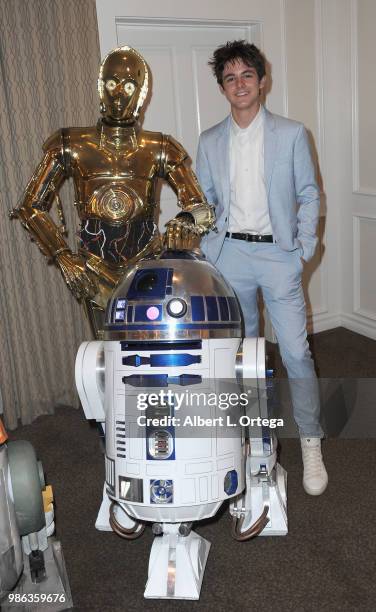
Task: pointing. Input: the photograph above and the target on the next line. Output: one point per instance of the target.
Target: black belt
(250, 237)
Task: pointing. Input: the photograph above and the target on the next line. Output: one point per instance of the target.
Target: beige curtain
(49, 63)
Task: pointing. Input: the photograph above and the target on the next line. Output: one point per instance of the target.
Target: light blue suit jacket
(292, 192)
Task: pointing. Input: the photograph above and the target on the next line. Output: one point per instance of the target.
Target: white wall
(331, 48)
(349, 157)
(322, 55)
(305, 102)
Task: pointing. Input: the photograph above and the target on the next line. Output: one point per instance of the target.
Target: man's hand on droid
(181, 233)
(80, 282)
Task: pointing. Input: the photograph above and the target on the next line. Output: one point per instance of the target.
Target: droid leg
(177, 564)
(262, 508)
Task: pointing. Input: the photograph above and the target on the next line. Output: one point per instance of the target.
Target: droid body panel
(172, 334)
(115, 167)
(155, 466)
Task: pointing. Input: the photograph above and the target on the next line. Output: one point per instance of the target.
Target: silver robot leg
(262, 507)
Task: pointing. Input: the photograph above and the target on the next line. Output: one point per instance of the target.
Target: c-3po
(115, 167)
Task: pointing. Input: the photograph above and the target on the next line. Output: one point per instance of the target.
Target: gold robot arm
(33, 212)
(197, 216)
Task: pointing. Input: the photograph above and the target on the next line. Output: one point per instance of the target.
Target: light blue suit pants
(248, 266)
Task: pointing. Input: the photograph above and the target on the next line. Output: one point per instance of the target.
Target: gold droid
(115, 167)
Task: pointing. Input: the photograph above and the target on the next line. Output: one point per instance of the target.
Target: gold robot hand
(80, 282)
(181, 233)
(197, 216)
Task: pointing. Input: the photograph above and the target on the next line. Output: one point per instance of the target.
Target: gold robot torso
(115, 172)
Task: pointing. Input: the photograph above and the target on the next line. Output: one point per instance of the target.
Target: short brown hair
(235, 50)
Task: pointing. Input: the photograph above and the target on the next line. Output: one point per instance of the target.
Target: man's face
(241, 85)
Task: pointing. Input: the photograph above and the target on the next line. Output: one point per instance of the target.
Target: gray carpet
(326, 562)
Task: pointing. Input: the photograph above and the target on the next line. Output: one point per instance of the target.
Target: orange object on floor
(3, 433)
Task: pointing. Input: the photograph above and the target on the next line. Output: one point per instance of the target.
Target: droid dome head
(179, 295)
(122, 85)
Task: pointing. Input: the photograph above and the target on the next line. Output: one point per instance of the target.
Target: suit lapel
(223, 153)
(270, 147)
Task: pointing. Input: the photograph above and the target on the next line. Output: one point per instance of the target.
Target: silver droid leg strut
(262, 507)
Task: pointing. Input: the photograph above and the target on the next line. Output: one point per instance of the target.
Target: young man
(256, 168)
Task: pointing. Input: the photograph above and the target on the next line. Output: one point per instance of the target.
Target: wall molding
(195, 84)
(252, 25)
(284, 57)
(356, 187)
(177, 102)
(320, 52)
(354, 94)
(356, 266)
(320, 48)
(356, 263)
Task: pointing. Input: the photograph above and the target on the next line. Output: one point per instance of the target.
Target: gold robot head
(122, 85)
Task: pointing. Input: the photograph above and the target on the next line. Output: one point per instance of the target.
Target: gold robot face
(123, 84)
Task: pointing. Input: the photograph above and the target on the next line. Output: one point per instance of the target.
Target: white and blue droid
(181, 397)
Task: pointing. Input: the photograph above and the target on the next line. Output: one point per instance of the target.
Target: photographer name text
(199, 421)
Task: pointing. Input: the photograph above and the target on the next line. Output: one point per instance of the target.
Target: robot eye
(110, 85)
(147, 283)
(129, 88)
(176, 307)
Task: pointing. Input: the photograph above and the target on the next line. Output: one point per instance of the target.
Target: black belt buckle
(259, 238)
(250, 237)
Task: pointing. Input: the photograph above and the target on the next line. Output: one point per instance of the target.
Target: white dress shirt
(249, 211)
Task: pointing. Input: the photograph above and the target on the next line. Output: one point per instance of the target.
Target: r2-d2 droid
(173, 337)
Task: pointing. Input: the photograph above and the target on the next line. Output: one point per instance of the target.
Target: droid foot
(176, 565)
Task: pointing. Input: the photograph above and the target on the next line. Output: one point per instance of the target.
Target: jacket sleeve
(307, 195)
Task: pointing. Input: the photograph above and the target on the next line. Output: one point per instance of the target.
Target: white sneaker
(315, 477)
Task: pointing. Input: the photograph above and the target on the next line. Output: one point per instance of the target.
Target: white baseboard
(354, 322)
(323, 321)
(360, 325)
